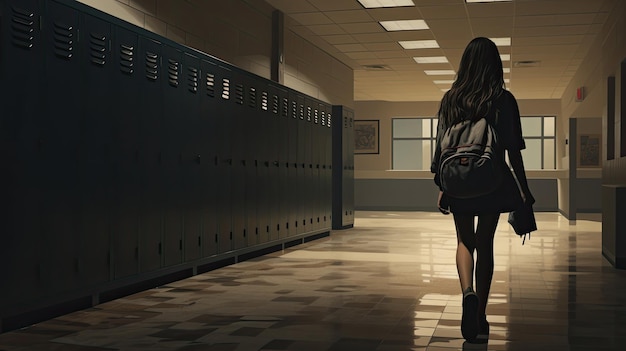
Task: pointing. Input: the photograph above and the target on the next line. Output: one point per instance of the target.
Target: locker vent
(63, 40)
(264, 101)
(239, 94)
(210, 84)
(225, 89)
(301, 111)
(98, 47)
(323, 118)
(294, 109)
(275, 104)
(308, 113)
(285, 109)
(252, 101)
(152, 66)
(329, 120)
(23, 28)
(316, 117)
(193, 79)
(172, 70)
(126, 58)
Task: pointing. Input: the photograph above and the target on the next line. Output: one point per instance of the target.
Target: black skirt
(506, 198)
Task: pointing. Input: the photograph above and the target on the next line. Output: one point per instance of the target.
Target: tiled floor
(389, 284)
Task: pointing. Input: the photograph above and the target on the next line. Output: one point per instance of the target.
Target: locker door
(292, 159)
(224, 159)
(60, 151)
(191, 139)
(317, 150)
(299, 185)
(96, 163)
(208, 186)
(308, 185)
(21, 69)
(328, 173)
(150, 153)
(349, 181)
(280, 109)
(172, 158)
(271, 138)
(254, 149)
(264, 182)
(246, 97)
(127, 180)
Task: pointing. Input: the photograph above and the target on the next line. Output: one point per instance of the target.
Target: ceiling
(549, 40)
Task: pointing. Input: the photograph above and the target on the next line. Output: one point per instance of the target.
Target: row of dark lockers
(126, 153)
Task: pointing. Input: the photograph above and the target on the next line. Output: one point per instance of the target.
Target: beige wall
(603, 61)
(239, 32)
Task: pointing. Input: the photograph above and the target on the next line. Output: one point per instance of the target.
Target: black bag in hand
(523, 220)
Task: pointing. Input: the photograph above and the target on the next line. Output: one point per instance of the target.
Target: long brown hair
(479, 82)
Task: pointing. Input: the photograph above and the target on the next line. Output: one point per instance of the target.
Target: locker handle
(318, 166)
(198, 159)
(267, 163)
(243, 162)
(228, 160)
(276, 163)
(310, 165)
(303, 165)
(286, 164)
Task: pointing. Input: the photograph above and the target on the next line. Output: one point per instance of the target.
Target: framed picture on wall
(589, 149)
(366, 137)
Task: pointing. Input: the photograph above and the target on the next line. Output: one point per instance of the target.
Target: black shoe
(469, 321)
(483, 330)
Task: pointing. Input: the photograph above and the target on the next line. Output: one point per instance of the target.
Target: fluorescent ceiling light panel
(371, 4)
(443, 81)
(501, 41)
(472, 1)
(505, 57)
(392, 26)
(506, 70)
(507, 80)
(419, 44)
(431, 59)
(439, 72)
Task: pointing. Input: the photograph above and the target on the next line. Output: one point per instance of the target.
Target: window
(413, 142)
(540, 137)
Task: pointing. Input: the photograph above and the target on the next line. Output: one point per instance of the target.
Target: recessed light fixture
(371, 4)
(472, 1)
(447, 81)
(419, 44)
(505, 57)
(440, 72)
(431, 59)
(392, 26)
(501, 41)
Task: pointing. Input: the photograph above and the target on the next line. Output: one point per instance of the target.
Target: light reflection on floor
(388, 284)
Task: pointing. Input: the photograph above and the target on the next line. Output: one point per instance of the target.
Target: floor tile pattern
(388, 284)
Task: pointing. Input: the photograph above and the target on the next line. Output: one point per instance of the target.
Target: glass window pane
(426, 127)
(548, 154)
(531, 126)
(407, 128)
(435, 125)
(532, 154)
(548, 126)
(426, 154)
(406, 155)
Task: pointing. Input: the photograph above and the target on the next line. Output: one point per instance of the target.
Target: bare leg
(466, 243)
(484, 258)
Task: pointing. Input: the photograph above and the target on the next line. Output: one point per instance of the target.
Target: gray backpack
(469, 165)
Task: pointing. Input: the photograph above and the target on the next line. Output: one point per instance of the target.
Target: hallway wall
(240, 32)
